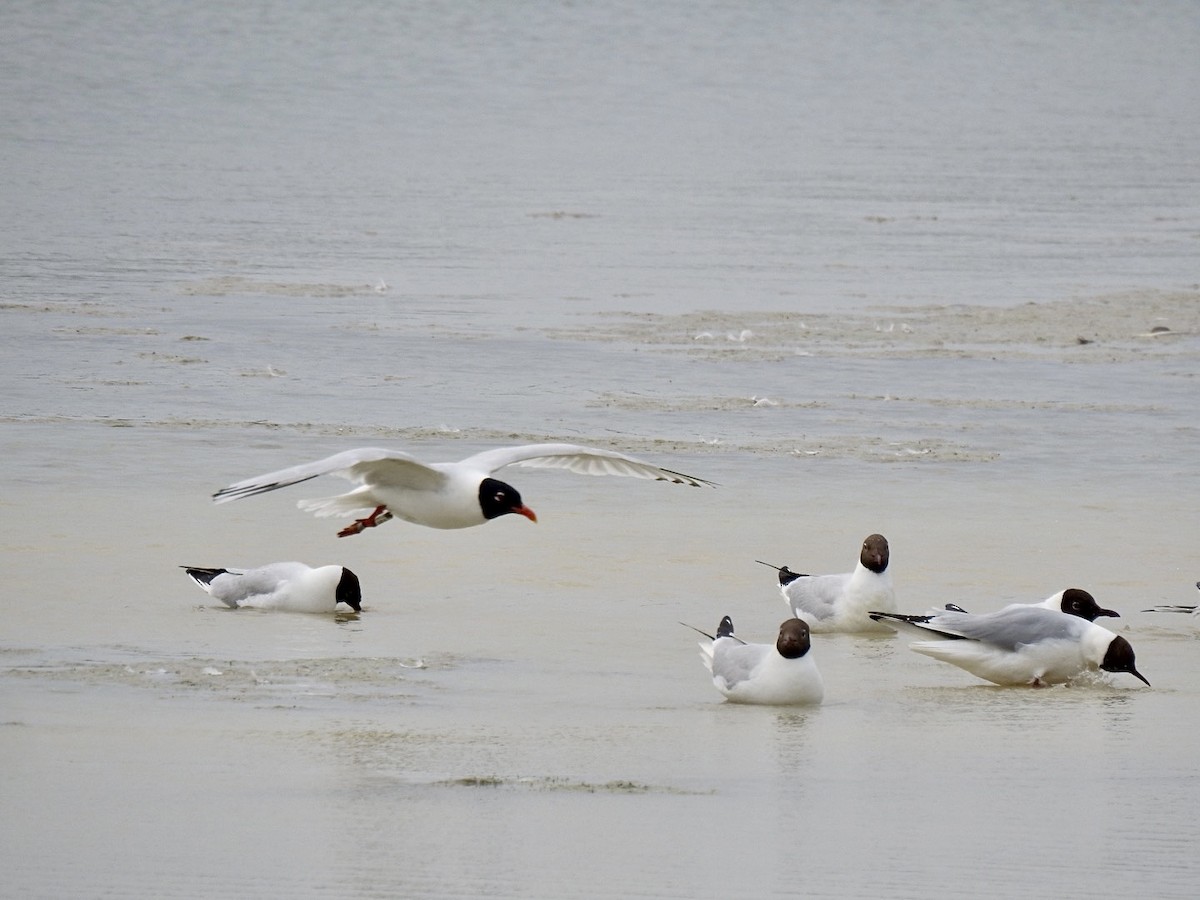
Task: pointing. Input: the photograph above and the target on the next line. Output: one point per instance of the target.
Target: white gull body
(779, 674)
(832, 603)
(287, 586)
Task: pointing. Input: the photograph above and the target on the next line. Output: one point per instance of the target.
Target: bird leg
(378, 517)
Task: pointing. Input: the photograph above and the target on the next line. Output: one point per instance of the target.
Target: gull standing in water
(1017, 644)
(841, 602)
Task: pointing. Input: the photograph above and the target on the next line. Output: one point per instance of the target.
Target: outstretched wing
(366, 465)
(579, 459)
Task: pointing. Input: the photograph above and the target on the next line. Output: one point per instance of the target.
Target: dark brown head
(875, 553)
(1119, 658)
(794, 640)
(1078, 602)
(348, 591)
(499, 499)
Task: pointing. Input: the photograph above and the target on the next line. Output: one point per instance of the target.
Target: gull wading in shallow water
(841, 602)
(1072, 601)
(289, 586)
(1018, 644)
(392, 483)
(782, 674)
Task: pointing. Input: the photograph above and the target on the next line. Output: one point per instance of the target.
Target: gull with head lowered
(1018, 644)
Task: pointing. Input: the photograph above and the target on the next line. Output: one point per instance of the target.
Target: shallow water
(868, 269)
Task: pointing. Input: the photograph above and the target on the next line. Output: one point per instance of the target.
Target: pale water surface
(928, 270)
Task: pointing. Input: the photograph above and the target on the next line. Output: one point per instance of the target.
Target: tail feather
(341, 505)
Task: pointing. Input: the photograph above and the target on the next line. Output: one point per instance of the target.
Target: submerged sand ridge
(1110, 328)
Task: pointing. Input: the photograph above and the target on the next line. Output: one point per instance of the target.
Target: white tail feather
(342, 505)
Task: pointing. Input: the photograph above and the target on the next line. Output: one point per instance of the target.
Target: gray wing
(815, 594)
(366, 465)
(579, 459)
(736, 662)
(235, 587)
(1012, 626)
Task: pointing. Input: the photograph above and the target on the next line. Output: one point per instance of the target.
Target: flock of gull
(1043, 643)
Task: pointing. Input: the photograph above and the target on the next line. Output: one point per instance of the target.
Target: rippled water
(925, 271)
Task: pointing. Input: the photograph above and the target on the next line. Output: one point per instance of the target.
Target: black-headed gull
(780, 674)
(1177, 607)
(1018, 644)
(290, 586)
(1072, 601)
(841, 602)
(441, 495)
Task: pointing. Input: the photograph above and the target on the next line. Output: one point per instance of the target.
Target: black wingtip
(233, 492)
(787, 576)
(923, 621)
(229, 493)
(201, 574)
(689, 480)
(725, 629)
(698, 630)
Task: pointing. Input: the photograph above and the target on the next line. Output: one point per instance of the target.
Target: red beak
(526, 512)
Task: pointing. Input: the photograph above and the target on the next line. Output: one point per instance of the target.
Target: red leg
(379, 516)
